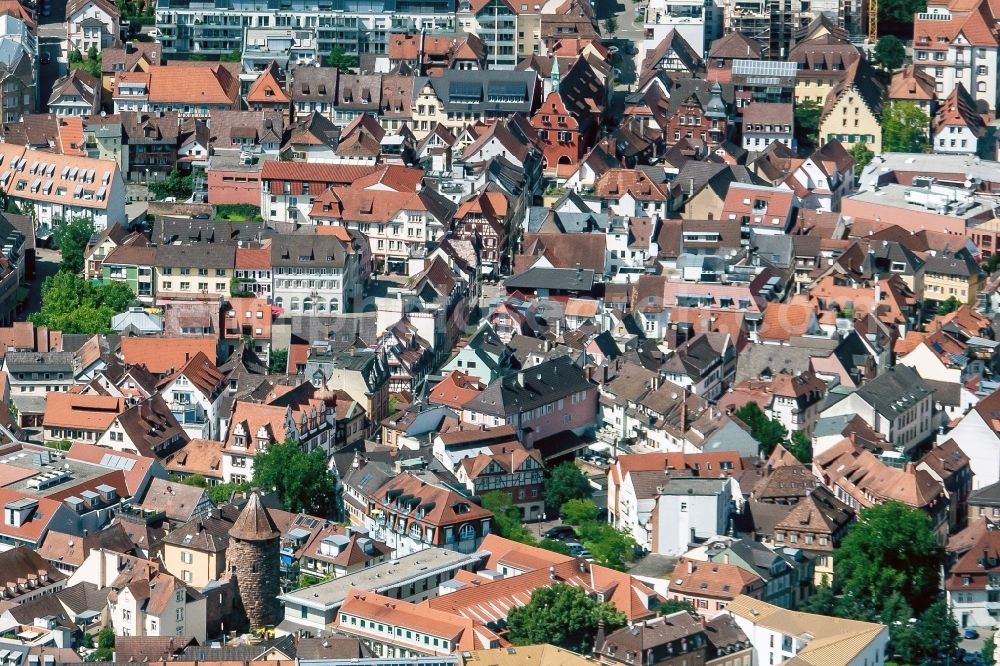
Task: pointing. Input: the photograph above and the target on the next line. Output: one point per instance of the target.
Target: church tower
(252, 557)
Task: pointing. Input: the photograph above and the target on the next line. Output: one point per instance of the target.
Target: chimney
(600, 637)
(690, 567)
(552, 572)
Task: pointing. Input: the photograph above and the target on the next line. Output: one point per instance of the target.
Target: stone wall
(255, 565)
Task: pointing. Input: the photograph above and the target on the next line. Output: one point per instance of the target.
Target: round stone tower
(252, 557)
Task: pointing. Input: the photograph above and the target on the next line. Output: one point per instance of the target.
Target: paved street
(51, 42)
(46, 264)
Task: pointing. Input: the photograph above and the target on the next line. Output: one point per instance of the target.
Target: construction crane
(872, 21)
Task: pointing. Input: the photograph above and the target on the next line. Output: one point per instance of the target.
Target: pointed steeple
(716, 106)
(555, 74)
(254, 522)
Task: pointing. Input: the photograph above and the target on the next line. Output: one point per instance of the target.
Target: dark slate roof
(530, 388)
(197, 255)
(207, 534)
(461, 90)
(959, 264)
(894, 391)
(303, 251)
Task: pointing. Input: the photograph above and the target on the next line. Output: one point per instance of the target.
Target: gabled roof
(673, 44)
(959, 110)
(735, 45)
(831, 641)
(912, 83)
(268, 88)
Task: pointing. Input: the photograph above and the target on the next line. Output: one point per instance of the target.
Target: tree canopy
(767, 431)
(896, 16)
(891, 550)
(801, 447)
(277, 361)
(507, 516)
(935, 633)
(562, 615)
(340, 59)
(807, 115)
(300, 479)
(73, 305)
(608, 545)
(565, 483)
(948, 306)
(889, 52)
(174, 185)
(904, 128)
(71, 239)
(862, 155)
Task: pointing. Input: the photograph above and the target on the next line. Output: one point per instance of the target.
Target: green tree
(300, 479)
(822, 601)
(948, 306)
(73, 305)
(508, 518)
(565, 483)
(807, 115)
(991, 263)
(989, 651)
(277, 361)
(670, 606)
(889, 53)
(904, 128)
(105, 645)
(340, 59)
(936, 630)
(610, 26)
(554, 546)
(890, 549)
(608, 545)
(233, 56)
(563, 615)
(579, 511)
(174, 185)
(862, 157)
(71, 239)
(223, 492)
(896, 15)
(768, 432)
(74, 57)
(801, 447)
(195, 480)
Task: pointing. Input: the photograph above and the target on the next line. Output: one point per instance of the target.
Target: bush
(238, 212)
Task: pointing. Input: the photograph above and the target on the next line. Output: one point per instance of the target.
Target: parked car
(970, 633)
(560, 533)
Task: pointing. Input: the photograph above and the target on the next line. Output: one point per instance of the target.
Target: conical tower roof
(254, 522)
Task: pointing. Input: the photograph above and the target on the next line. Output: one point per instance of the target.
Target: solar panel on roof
(764, 68)
(508, 88)
(465, 90)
